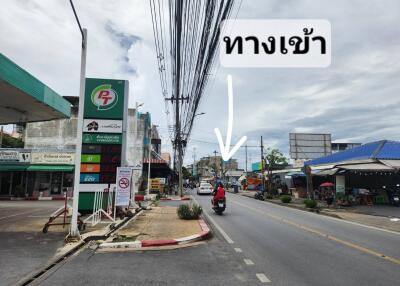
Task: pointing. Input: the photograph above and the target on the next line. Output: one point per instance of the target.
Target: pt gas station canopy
(23, 98)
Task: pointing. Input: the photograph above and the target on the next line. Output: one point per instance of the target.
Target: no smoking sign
(123, 183)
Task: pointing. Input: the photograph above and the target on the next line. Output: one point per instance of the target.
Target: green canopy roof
(10, 167)
(23, 98)
(39, 168)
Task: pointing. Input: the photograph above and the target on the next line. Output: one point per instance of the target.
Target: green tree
(11, 142)
(186, 173)
(274, 160)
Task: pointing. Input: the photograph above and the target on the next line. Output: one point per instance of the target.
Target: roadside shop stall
(366, 175)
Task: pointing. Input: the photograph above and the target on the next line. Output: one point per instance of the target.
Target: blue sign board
(90, 178)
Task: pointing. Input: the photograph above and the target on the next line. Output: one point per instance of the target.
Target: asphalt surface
(253, 242)
(24, 249)
(295, 247)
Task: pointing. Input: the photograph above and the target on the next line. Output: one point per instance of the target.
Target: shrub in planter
(286, 199)
(310, 203)
(196, 210)
(186, 212)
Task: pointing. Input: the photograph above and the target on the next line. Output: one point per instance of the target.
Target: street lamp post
(148, 170)
(74, 232)
(136, 158)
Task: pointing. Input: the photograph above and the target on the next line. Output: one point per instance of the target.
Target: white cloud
(354, 99)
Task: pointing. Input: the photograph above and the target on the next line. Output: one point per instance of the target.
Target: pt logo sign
(104, 97)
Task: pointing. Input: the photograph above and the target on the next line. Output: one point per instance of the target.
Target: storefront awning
(328, 172)
(366, 167)
(5, 168)
(49, 168)
(391, 163)
(23, 98)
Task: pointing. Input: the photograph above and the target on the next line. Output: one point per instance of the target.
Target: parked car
(205, 188)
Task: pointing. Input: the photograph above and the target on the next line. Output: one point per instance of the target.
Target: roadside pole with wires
(262, 164)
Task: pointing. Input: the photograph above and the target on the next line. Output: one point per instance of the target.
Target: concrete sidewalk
(159, 226)
(24, 248)
(385, 217)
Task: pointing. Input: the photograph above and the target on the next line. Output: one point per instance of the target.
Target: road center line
(326, 217)
(238, 250)
(248, 261)
(223, 233)
(322, 234)
(263, 278)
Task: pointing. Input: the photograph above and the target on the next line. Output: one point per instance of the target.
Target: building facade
(45, 166)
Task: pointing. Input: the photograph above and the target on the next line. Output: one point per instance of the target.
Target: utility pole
(1, 137)
(178, 140)
(194, 160)
(262, 163)
(215, 163)
(246, 158)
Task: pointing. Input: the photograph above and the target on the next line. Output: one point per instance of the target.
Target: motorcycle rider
(219, 193)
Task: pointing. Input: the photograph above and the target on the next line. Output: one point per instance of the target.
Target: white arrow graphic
(225, 153)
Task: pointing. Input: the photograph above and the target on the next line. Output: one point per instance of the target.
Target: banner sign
(102, 138)
(52, 158)
(102, 126)
(340, 184)
(9, 156)
(123, 186)
(105, 104)
(155, 184)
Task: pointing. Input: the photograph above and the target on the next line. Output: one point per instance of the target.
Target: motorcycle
(393, 195)
(396, 200)
(259, 195)
(219, 206)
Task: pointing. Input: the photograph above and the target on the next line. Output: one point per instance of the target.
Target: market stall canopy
(379, 155)
(23, 98)
(328, 172)
(327, 184)
(366, 167)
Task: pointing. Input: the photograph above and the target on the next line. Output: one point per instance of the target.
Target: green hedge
(310, 203)
(286, 199)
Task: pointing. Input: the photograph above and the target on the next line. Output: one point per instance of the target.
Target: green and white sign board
(104, 98)
(106, 108)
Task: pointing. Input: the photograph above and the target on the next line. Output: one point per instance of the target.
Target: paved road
(254, 242)
(293, 247)
(23, 246)
(211, 263)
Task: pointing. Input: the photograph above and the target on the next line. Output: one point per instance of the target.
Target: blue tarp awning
(379, 150)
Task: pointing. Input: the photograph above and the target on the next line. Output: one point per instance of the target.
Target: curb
(205, 232)
(32, 199)
(180, 199)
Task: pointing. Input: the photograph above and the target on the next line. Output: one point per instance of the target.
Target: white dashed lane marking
(263, 278)
(238, 250)
(248, 261)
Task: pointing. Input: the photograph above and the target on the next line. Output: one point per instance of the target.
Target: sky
(355, 98)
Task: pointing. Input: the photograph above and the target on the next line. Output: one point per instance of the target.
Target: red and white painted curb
(175, 199)
(33, 199)
(205, 231)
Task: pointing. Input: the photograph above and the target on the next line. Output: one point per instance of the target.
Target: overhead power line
(186, 42)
